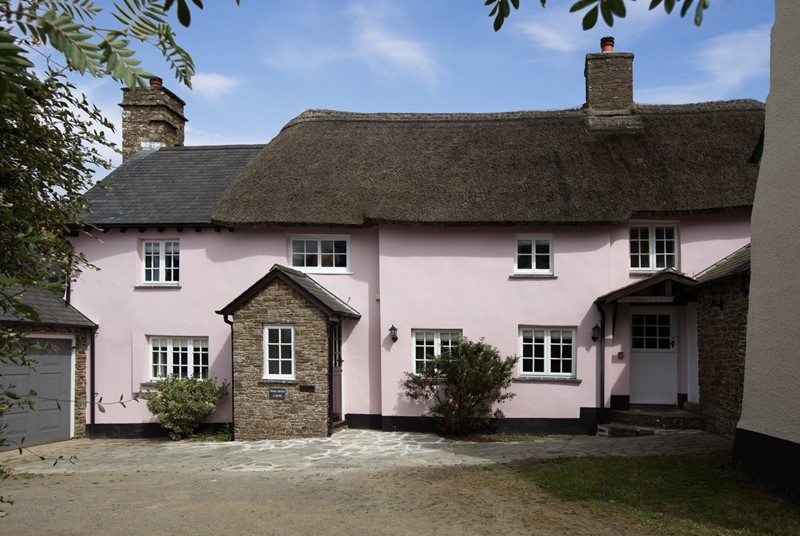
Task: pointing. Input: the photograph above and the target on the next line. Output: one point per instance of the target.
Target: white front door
(654, 358)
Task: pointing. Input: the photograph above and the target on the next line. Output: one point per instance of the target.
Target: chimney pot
(607, 44)
(156, 82)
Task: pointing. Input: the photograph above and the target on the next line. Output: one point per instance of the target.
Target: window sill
(322, 272)
(533, 276)
(546, 379)
(264, 381)
(164, 286)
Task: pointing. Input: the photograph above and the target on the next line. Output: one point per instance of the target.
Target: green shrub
(182, 403)
(463, 385)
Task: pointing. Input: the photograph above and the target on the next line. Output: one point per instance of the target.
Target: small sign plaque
(277, 393)
(307, 388)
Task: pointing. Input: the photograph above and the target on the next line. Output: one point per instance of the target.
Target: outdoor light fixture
(595, 333)
(393, 333)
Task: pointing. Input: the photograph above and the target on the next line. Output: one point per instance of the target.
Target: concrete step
(616, 429)
(659, 418)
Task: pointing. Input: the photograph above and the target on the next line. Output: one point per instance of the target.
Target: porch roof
(657, 288)
(307, 287)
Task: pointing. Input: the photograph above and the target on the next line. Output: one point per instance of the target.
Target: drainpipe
(602, 357)
(233, 405)
(92, 334)
(330, 378)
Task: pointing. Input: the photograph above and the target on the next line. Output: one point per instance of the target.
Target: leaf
(184, 15)
(618, 7)
(686, 5)
(654, 4)
(101, 408)
(581, 4)
(590, 19)
(605, 11)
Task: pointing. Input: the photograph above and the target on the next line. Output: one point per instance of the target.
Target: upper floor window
(547, 352)
(428, 343)
(534, 255)
(161, 262)
(653, 247)
(320, 254)
(279, 352)
(183, 357)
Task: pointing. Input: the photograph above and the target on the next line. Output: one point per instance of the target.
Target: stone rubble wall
(301, 414)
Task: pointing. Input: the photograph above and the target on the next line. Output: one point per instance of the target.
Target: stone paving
(345, 450)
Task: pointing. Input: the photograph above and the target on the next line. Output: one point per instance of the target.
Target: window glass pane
(524, 262)
(298, 259)
(286, 367)
(272, 367)
(340, 260)
(298, 246)
(311, 261)
(326, 246)
(524, 247)
(311, 246)
(286, 335)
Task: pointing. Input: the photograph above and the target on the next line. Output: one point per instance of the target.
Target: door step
(649, 420)
(615, 429)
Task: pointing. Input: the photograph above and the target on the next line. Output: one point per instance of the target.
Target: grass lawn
(684, 494)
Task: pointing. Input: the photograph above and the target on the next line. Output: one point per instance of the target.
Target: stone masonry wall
(722, 338)
(609, 81)
(151, 115)
(301, 414)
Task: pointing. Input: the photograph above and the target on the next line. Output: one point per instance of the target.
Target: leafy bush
(462, 386)
(182, 403)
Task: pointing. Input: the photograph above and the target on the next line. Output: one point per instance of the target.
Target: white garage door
(52, 381)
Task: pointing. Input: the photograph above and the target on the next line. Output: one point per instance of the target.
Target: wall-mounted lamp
(595, 333)
(393, 333)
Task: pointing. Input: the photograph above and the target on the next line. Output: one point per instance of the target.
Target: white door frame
(654, 371)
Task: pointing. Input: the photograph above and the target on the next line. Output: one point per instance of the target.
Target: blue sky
(263, 63)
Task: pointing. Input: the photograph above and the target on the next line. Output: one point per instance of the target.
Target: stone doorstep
(672, 419)
(616, 429)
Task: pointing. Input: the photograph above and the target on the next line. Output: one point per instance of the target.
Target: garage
(58, 344)
(51, 379)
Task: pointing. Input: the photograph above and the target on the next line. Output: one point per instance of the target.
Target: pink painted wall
(215, 269)
(414, 278)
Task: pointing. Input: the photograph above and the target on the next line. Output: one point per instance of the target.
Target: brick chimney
(152, 118)
(609, 81)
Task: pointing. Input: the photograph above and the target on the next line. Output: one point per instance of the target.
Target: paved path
(346, 449)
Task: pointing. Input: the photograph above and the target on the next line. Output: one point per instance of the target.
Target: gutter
(227, 320)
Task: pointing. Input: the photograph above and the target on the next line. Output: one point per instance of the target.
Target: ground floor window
(547, 351)
(429, 343)
(279, 352)
(179, 356)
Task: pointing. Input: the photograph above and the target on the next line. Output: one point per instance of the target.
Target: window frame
(652, 254)
(196, 349)
(547, 352)
(318, 269)
(533, 270)
(266, 357)
(162, 269)
(419, 364)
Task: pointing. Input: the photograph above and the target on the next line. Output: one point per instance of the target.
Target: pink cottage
(567, 237)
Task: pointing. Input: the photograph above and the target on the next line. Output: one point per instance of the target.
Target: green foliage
(182, 403)
(462, 386)
(607, 9)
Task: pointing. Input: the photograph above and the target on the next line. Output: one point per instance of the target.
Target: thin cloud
(370, 37)
(214, 85)
(195, 137)
(555, 28)
(726, 63)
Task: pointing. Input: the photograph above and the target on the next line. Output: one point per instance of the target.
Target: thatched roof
(559, 167)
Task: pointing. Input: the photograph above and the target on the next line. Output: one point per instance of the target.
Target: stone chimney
(609, 81)
(151, 118)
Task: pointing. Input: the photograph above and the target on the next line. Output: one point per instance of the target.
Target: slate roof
(736, 262)
(170, 186)
(52, 309)
(302, 283)
(563, 167)
(667, 274)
